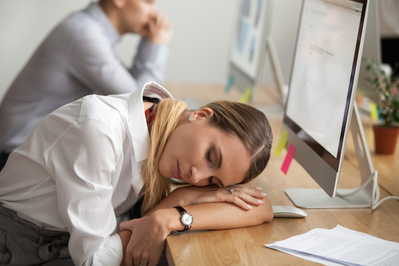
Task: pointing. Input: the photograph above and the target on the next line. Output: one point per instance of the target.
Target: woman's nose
(197, 175)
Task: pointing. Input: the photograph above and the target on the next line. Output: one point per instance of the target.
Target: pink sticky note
(288, 159)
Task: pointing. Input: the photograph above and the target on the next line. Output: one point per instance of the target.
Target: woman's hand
(147, 240)
(243, 195)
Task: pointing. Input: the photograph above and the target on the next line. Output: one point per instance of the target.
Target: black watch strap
(182, 211)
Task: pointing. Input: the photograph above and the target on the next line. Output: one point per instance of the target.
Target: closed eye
(208, 156)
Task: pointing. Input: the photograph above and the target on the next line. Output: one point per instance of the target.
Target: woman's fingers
(247, 198)
(136, 262)
(128, 259)
(243, 196)
(240, 203)
(225, 196)
(147, 240)
(141, 261)
(253, 191)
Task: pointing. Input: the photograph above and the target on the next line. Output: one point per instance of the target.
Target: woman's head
(224, 143)
(251, 126)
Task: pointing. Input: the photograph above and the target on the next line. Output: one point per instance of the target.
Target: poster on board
(248, 43)
(248, 36)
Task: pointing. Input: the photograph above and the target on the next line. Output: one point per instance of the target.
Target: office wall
(284, 28)
(199, 50)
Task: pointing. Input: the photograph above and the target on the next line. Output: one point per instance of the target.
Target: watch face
(187, 219)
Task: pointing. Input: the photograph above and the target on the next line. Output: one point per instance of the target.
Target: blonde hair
(156, 186)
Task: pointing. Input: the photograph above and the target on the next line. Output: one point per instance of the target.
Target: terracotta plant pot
(385, 139)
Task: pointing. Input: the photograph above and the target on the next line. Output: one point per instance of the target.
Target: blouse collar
(138, 128)
(138, 132)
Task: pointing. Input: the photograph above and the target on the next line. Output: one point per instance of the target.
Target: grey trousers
(23, 243)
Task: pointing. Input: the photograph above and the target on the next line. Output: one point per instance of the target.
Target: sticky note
(246, 96)
(288, 159)
(230, 83)
(373, 110)
(281, 143)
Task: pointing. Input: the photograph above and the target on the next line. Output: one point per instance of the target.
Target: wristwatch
(185, 218)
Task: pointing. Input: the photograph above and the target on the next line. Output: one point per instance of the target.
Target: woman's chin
(167, 175)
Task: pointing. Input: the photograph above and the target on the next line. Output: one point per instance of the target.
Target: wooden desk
(245, 246)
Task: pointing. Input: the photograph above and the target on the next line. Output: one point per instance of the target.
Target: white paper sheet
(340, 245)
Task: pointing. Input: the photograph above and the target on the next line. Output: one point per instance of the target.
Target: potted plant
(387, 88)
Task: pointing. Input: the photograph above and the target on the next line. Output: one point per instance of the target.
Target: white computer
(320, 107)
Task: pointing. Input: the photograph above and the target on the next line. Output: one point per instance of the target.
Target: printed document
(340, 246)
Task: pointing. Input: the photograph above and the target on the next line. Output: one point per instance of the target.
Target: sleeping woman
(66, 192)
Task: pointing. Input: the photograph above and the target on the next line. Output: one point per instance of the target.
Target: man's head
(130, 15)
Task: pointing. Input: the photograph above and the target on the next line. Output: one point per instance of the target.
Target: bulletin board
(248, 44)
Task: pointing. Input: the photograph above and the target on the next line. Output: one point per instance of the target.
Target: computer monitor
(320, 107)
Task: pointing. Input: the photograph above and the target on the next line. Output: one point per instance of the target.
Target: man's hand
(159, 30)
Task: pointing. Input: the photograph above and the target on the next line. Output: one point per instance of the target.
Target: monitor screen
(323, 74)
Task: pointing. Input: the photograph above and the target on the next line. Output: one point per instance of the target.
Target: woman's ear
(204, 113)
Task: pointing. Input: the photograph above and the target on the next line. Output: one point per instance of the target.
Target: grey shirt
(76, 59)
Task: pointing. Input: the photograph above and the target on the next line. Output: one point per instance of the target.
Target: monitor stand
(362, 197)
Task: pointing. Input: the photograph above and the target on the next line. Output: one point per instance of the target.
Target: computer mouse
(281, 211)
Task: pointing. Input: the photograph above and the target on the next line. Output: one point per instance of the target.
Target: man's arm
(92, 60)
(152, 54)
(150, 62)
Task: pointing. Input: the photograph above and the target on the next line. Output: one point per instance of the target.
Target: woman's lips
(177, 171)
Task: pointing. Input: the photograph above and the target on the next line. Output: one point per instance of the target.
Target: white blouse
(80, 168)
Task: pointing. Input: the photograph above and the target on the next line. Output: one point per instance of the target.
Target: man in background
(77, 58)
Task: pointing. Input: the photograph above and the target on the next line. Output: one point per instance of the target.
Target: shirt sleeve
(150, 62)
(83, 160)
(92, 60)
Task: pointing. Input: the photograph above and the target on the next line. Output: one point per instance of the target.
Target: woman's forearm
(213, 216)
(208, 216)
(244, 196)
